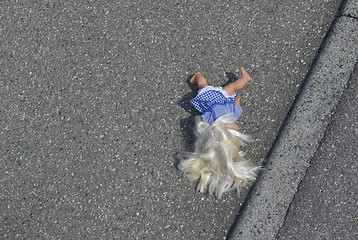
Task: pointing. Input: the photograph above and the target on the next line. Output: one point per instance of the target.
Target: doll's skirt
(209, 96)
(213, 102)
(220, 109)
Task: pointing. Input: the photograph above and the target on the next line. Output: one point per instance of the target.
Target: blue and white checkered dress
(208, 100)
(209, 96)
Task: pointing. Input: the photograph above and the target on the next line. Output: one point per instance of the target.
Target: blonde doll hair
(217, 163)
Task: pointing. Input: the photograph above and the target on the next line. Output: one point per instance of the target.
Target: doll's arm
(233, 126)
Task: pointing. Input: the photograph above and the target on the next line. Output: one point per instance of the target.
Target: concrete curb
(264, 211)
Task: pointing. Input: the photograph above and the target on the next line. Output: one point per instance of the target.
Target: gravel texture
(350, 9)
(95, 107)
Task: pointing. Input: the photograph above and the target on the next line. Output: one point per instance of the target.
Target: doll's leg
(199, 79)
(238, 83)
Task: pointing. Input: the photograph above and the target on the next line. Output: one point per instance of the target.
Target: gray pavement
(95, 107)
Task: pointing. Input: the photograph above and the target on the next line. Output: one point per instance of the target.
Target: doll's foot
(245, 76)
(198, 79)
(238, 83)
(241, 82)
(194, 78)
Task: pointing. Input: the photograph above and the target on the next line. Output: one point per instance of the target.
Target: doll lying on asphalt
(216, 161)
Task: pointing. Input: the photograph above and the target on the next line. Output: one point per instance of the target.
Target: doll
(216, 163)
